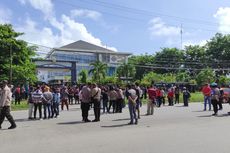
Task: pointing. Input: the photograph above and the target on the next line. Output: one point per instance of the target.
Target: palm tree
(98, 71)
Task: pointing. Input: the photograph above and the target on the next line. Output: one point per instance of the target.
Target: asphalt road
(174, 129)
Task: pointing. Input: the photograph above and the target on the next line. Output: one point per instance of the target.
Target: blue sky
(131, 26)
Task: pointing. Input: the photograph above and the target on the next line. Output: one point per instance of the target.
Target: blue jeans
(132, 111)
(207, 99)
(47, 106)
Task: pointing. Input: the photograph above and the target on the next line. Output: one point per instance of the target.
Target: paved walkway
(174, 129)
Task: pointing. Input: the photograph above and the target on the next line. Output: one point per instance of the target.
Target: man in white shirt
(96, 97)
(132, 97)
(5, 101)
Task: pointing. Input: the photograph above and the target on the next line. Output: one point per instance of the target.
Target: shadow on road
(69, 123)
(23, 120)
(198, 111)
(114, 126)
(122, 119)
(205, 116)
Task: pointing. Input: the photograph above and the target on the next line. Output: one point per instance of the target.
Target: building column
(73, 72)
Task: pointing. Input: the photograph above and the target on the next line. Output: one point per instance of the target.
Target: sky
(135, 26)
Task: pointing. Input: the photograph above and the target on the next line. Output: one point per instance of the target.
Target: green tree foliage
(83, 76)
(126, 70)
(23, 69)
(205, 76)
(98, 71)
(183, 77)
(140, 62)
(218, 50)
(170, 59)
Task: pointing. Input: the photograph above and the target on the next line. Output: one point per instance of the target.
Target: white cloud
(223, 17)
(67, 30)
(85, 13)
(159, 28)
(42, 36)
(45, 6)
(5, 15)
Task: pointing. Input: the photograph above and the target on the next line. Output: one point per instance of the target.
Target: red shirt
(152, 93)
(206, 90)
(170, 94)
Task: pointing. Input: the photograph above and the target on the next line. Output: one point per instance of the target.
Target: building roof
(83, 46)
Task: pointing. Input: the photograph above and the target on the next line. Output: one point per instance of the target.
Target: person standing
(37, 99)
(186, 96)
(5, 101)
(64, 98)
(47, 100)
(170, 96)
(177, 95)
(215, 95)
(56, 102)
(206, 90)
(120, 98)
(85, 96)
(105, 99)
(151, 101)
(17, 94)
(138, 101)
(31, 104)
(112, 98)
(132, 97)
(96, 99)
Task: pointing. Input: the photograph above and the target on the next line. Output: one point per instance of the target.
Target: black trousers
(97, 109)
(215, 104)
(119, 105)
(39, 107)
(177, 97)
(5, 112)
(85, 110)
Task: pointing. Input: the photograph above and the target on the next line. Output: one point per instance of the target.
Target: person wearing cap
(5, 101)
(206, 90)
(215, 98)
(96, 99)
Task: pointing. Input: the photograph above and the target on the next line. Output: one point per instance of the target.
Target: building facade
(59, 62)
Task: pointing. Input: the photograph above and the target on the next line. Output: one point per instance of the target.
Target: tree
(139, 62)
(218, 50)
(83, 76)
(170, 59)
(98, 71)
(205, 76)
(126, 70)
(15, 57)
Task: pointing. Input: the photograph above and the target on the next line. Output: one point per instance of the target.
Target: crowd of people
(46, 99)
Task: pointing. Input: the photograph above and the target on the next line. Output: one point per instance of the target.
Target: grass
(23, 106)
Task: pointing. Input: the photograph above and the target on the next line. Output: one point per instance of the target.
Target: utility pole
(181, 36)
(11, 63)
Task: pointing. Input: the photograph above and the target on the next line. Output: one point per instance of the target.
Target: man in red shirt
(152, 98)
(206, 90)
